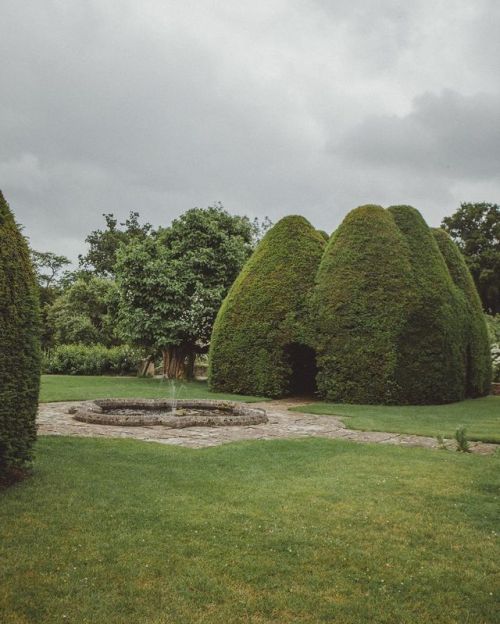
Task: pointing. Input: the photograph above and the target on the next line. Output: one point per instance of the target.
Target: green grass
(280, 531)
(81, 388)
(481, 417)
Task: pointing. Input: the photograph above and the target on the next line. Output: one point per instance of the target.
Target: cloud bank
(272, 107)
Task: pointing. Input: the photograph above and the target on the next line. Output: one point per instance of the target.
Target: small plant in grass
(440, 441)
(462, 441)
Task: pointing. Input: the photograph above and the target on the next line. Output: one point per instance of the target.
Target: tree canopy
(171, 286)
(475, 228)
(86, 312)
(100, 259)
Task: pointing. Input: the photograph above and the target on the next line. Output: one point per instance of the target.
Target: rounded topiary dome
(476, 340)
(430, 363)
(360, 303)
(265, 312)
(19, 345)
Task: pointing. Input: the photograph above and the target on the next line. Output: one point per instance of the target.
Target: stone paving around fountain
(54, 419)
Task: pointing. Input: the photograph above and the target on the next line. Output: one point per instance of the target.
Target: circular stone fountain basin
(168, 413)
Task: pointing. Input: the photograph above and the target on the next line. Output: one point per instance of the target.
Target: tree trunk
(191, 356)
(174, 363)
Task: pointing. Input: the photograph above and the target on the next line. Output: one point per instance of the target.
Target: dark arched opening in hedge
(302, 362)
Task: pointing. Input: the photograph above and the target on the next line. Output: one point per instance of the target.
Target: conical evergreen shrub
(266, 310)
(19, 346)
(476, 341)
(360, 303)
(430, 366)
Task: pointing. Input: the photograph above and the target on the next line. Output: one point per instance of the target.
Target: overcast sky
(272, 107)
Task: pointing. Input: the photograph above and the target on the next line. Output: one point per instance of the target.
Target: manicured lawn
(80, 388)
(283, 531)
(481, 417)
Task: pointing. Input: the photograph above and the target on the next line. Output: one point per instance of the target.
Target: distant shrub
(91, 360)
(19, 347)
(495, 362)
(493, 323)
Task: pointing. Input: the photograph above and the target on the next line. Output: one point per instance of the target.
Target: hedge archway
(266, 309)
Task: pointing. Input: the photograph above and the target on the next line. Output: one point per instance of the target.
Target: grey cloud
(272, 107)
(449, 134)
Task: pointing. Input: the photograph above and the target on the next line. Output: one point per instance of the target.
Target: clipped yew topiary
(360, 303)
(19, 347)
(476, 352)
(264, 316)
(431, 367)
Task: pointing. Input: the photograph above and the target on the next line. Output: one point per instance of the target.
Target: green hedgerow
(97, 359)
(19, 346)
(266, 310)
(431, 367)
(476, 344)
(359, 303)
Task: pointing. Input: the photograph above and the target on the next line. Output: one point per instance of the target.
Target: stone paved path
(53, 419)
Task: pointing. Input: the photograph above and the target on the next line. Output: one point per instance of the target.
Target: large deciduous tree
(104, 244)
(85, 313)
(475, 228)
(172, 285)
(50, 277)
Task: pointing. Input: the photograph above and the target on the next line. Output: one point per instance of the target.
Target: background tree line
(155, 289)
(155, 292)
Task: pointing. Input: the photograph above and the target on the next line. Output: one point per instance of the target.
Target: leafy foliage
(431, 366)
(463, 445)
(86, 312)
(171, 286)
(19, 345)
(360, 303)
(475, 339)
(48, 267)
(104, 244)
(78, 359)
(50, 277)
(475, 227)
(266, 310)
(493, 323)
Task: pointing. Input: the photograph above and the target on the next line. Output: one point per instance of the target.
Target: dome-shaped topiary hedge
(265, 312)
(19, 346)
(360, 302)
(476, 344)
(430, 365)
(388, 313)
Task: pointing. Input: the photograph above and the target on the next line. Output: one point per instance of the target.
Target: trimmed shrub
(431, 367)
(360, 303)
(265, 311)
(476, 342)
(78, 359)
(19, 346)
